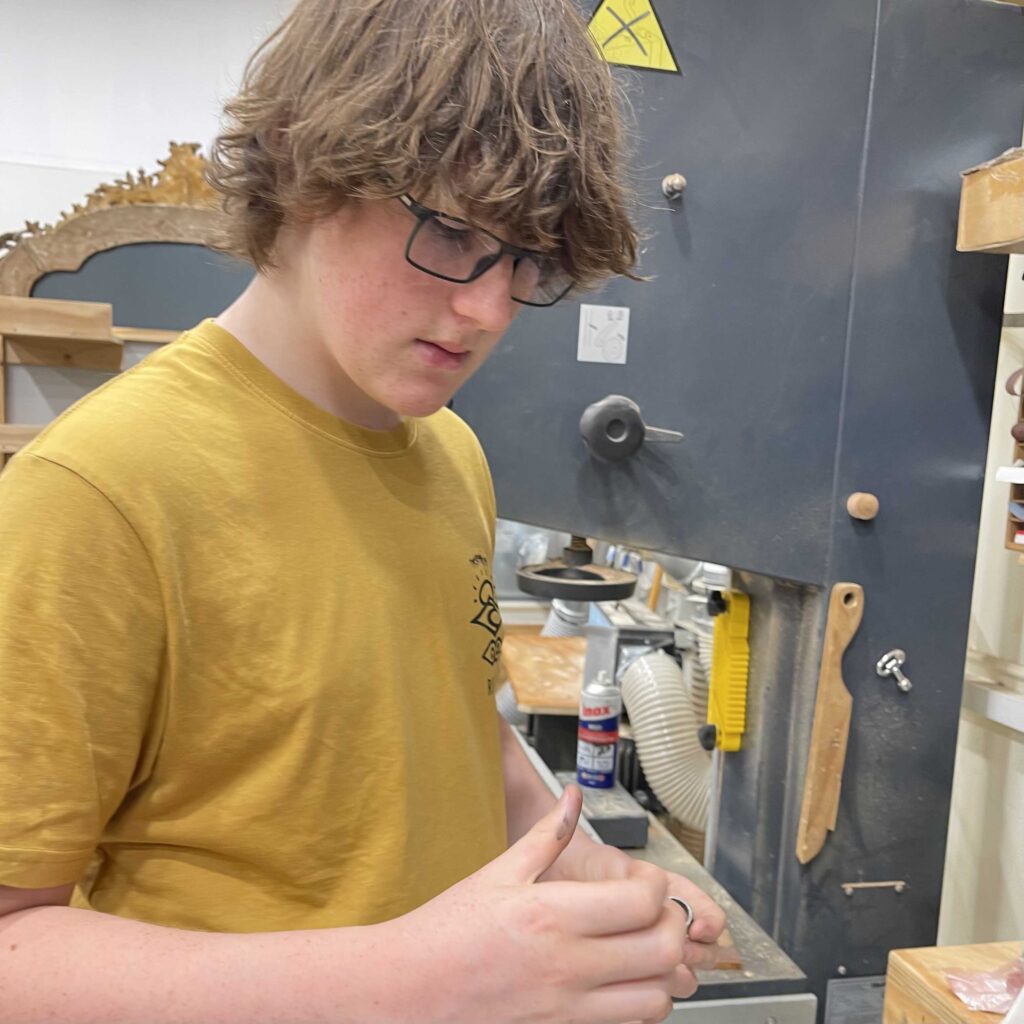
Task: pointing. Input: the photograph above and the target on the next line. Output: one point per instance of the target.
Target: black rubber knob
(613, 428)
(707, 735)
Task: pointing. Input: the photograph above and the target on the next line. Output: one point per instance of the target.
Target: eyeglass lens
(456, 251)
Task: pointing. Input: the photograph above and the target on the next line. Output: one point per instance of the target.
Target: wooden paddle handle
(833, 710)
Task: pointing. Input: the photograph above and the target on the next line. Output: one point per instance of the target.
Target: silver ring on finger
(686, 908)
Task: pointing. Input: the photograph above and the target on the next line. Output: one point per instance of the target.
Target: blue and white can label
(597, 736)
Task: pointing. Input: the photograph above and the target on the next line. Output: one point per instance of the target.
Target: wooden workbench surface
(546, 672)
(916, 989)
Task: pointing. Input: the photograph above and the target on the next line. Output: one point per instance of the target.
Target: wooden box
(992, 205)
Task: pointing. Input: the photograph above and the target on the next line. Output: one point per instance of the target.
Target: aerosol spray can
(597, 738)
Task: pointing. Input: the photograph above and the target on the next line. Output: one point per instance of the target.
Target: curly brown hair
(502, 108)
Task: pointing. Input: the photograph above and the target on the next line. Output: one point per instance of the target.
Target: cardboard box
(992, 205)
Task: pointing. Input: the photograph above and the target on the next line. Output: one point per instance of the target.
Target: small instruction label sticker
(604, 334)
(628, 32)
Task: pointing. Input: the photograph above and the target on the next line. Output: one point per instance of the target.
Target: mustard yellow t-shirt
(247, 653)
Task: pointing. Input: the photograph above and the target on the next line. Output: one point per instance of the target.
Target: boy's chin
(419, 406)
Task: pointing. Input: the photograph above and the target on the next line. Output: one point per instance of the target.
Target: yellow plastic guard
(730, 671)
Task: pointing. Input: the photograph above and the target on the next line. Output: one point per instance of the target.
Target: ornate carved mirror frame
(175, 204)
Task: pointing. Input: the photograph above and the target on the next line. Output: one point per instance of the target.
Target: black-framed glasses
(454, 250)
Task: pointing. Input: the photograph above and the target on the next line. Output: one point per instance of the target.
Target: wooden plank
(56, 319)
(833, 710)
(546, 672)
(14, 436)
(916, 989)
(57, 332)
(148, 335)
(77, 352)
(991, 215)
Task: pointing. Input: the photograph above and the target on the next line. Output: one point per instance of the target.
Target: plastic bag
(991, 991)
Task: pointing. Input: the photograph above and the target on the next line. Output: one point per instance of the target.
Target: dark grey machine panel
(812, 331)
(741, 341)
(153, 284)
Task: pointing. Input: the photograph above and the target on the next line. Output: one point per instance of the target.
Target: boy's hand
(498, 947)
(589, 861)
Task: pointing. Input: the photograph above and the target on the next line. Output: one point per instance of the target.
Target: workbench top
(766, 970)
(916, 989)
(546, 672)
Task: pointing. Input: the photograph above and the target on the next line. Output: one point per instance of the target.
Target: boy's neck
(264, 319)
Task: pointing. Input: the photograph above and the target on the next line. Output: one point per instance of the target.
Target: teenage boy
(248, 638)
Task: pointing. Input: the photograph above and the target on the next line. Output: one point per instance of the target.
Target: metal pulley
(613, 429)
(575, 577)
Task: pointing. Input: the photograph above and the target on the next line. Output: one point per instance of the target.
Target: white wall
(90, 89)
(983, 890)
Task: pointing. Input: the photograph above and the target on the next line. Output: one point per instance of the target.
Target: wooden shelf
(147, 335)
(992, 205)
(916, 990)
(56, 332)
(14, 437)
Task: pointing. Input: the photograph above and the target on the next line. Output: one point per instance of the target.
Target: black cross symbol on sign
(626, 27)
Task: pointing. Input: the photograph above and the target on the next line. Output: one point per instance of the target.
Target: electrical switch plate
(604, 334)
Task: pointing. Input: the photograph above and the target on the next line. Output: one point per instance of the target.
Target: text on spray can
(598, 734)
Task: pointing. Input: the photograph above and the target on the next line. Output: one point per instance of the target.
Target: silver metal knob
(889, 665)
(673, 185)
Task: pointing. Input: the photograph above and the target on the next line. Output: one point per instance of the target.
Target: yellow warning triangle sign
(628, 32)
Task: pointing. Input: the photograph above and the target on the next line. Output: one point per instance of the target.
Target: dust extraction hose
(664, 729)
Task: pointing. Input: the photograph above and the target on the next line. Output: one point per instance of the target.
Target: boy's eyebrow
(463, 219)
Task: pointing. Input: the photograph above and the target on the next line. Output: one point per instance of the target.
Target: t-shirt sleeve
(81, 646)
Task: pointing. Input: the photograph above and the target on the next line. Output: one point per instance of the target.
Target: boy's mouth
(441, 355)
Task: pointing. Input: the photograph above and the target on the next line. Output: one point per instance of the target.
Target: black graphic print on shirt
(487, 614)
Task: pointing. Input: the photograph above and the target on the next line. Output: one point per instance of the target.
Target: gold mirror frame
(176, 204)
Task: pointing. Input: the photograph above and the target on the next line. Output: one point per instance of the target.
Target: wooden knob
(862, 505)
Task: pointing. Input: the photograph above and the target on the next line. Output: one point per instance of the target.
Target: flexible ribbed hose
(664, 726)
(566, 618)
(697, 669)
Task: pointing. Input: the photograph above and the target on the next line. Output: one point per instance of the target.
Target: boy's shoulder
(144, 419)
(183, 405)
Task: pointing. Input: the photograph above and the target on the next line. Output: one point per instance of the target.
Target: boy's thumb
(528, 859)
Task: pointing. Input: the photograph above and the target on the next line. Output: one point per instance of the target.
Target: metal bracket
(898, 886)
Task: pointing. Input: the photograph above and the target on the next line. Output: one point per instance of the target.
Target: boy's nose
(487, 301)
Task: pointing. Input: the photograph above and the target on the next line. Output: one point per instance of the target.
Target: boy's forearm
(77, 966)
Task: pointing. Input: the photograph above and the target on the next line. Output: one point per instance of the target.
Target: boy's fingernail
(563, 825)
